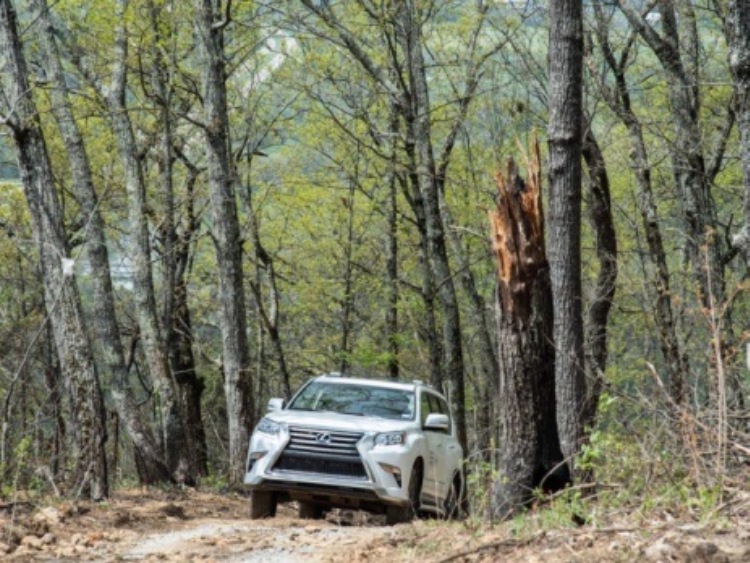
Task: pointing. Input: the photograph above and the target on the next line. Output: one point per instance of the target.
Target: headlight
(268, 426)
(390, 438)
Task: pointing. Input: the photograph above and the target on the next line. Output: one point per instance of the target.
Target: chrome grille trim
(319, 451)
(341, 443)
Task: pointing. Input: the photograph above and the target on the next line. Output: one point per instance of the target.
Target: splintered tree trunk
(530, 455)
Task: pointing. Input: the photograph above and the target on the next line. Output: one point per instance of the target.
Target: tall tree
(172, 431)
(104, 317)
(61, 294)
(565, 99)
(420, 110)
(225, 227)
(176, 237)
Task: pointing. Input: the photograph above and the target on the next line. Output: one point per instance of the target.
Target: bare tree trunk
(172, 427)
(565, 94)
(436, 245)
(529, 448)
(227, 238)
(737, 32)
(60, 289)
(104, 319)
(391, 182)
(347, 303)
(600, 215)
(190, 385)
(175, 257)
(53, 384)
(428, 326)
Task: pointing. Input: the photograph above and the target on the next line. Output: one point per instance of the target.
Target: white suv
(383, 446)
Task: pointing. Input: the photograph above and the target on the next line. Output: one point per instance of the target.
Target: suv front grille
(329, 452)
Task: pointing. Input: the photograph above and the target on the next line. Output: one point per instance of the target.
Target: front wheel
(451, 503)
(401, 514)
(262, 504)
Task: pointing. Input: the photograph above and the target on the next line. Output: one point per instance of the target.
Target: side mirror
(438, 422)
(276, 404)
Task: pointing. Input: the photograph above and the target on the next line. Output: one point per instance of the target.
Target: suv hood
(336, 421)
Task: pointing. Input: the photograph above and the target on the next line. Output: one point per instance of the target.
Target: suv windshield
(360, 400)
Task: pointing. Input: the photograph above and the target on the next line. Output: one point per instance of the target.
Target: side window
(445, 409)
(436, 405)
(425, 407)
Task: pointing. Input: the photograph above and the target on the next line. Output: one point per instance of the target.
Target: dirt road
(196, 526)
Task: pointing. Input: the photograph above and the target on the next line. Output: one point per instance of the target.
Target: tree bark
(190, 385)
(529, 446)
(226, 233)
(61, 295)
(565, 95)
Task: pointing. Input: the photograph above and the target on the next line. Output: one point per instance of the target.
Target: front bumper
(383, 478)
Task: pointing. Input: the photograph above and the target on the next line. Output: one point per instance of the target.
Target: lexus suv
(388, 447)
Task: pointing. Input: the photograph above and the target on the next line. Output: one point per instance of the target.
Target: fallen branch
(492, 546)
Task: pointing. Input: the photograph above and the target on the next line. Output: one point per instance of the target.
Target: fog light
(254, 456)
(393, 470)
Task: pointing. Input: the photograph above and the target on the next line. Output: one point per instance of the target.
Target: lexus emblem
(323, 438)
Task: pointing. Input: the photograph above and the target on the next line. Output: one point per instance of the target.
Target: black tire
(401, 514)
(310, 511)
(451, 504)
(262, 504)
